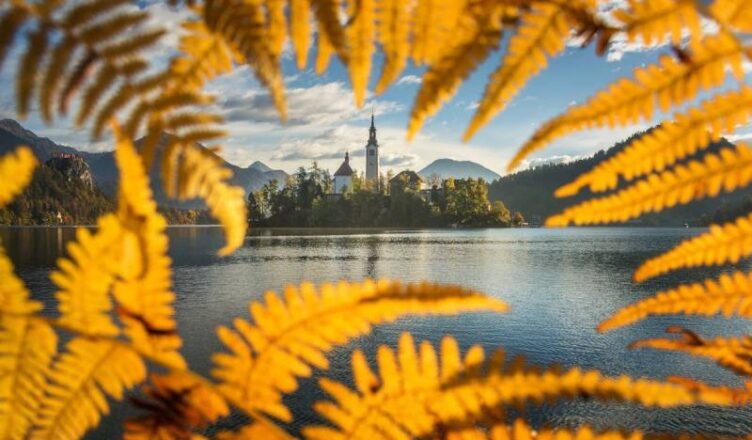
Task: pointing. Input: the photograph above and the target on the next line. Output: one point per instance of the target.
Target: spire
(347, 157)
(372, 132)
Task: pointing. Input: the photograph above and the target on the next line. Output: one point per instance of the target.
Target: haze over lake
(559, 283)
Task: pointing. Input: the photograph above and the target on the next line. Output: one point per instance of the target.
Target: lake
(560, 283)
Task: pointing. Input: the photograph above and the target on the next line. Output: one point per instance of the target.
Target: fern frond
(435, 26)
(653, 20)
(734, 354)
(27, 346)
(734, 13)
(478, 34)
(290, 336)
(360, 34)
(243, 25)
(277, 23)
(324, 52)
(80, 381)
(178, 405)
(730, 295)
(27, 69)
(543, 33)
(668, 143)
(669, 83)
(520, 430)
(16, 170)
(203, 175)
(10, 22)
(727, 171)
(143, 289)
(460, 391)
(111, 27)
(53, 75)
(393, 18)
(328, 15)
(261, 429)
(205, 56)
(300, 30)
(85, 277)
(722, 244)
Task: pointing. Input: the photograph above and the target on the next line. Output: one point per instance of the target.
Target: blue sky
(324, 122)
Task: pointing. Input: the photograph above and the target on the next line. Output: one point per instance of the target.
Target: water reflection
(560, 284)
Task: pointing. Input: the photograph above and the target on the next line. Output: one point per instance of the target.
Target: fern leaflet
(16, 171)
(290, 336)
(727, 171)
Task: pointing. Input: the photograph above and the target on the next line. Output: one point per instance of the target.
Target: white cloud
(550, 160)
(472, 105)
(409, 79)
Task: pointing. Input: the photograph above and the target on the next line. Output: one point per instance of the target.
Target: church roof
(344, 169)
(410, 176)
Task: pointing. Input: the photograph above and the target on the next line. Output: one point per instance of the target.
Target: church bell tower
(372, 155)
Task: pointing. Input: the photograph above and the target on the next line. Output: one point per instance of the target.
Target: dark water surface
(560, 284)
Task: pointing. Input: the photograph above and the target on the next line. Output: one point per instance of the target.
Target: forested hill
(531, 192)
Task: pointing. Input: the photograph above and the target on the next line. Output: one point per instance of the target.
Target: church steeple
(372, 133)
(372, 154)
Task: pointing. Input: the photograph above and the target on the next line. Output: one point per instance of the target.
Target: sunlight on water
(560, 284)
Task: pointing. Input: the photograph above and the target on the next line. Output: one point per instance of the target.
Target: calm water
(560, 284)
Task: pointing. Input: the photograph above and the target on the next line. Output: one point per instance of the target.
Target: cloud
(319, 105)
(409, 79)
(472, 105)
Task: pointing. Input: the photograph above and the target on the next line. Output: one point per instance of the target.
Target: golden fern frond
(393, 18)
(300, 30)
(360, 34)
(435, 26)
(726, 171)
(27, 69)
(178, 405)
(328, 15)
(668, 143)
(277, 24)
(143, 288)
(16, 171)
(203, 175)
(10, 22)
(260, 429)
(324, 52)
(543, 33)
(27, 346)
(85, 277)
(451, 391)
(290, 336)
(478, 33)
(205, 56)
(520, 430)
(738, 396)
(243, 25)
(58, 62)
(730, 295)
(722, 244)
(668, 83)
(734, 354)
(653, 20)
(734, 13)
(80, 381)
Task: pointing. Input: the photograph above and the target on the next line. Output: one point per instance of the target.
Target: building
(343, 176)
(406, 180)
(372, 156)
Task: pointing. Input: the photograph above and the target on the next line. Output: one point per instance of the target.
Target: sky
(324, 123)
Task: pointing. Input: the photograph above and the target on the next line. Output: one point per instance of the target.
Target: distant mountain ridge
(531, 191)
(458, 169)
(104, 171)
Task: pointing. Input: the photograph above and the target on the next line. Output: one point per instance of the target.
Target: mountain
(531, 192)
(463, 169)
(61, 191)
(260, 166)
(103, 168)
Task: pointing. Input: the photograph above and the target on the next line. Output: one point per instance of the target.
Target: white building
(343, 176)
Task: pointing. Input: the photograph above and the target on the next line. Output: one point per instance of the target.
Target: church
(344, 174)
